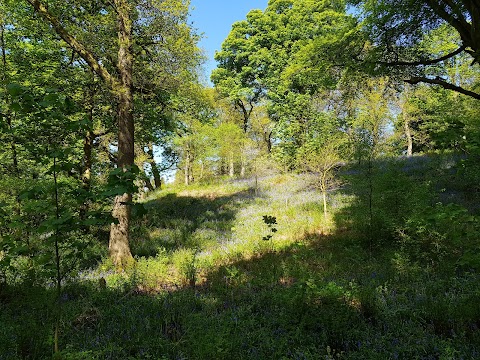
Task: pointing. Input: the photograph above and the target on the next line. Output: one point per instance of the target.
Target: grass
(206, 286)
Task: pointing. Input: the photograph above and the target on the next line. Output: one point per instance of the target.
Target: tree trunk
(16, 171)
(121, 87)
(8, 114)
(148, 184)
(325, 214)
(404, 107)
(267, 137)
(231, 172)
(243, 163)
(222, 166)
(370, 190)
(187, 166)
(202, 169)
(323, 186)
(408, 134)
(87, 153)
(119, 248)
(87, 168)
(157, 180)
(245, 113)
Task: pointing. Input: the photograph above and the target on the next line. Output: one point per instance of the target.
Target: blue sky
(214, 18)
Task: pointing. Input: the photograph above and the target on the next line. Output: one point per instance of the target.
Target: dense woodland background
(323, 200)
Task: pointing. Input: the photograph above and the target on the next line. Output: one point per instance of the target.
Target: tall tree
(138, 31)
(282, 57)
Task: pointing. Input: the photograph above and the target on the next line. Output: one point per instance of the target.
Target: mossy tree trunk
(118, 247)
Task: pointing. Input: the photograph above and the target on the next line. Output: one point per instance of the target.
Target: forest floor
(207, 285)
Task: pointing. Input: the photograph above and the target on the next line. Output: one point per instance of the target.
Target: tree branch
(112, 83)
(444, 84)
(423, 62)
(461, 25)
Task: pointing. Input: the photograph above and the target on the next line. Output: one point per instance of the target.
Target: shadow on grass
(174, 222)
(262, 308)
(325, 297)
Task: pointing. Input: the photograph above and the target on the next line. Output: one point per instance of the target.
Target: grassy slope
(207, 286)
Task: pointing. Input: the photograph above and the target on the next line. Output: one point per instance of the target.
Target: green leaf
(22, 250)
(139, 210)
(16, 107)
(15, 89)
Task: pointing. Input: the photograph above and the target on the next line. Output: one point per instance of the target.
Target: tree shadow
(322, 297)
(173, 222)
(271, 306)
(414, 208)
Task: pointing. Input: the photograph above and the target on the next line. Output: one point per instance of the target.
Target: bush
(442, 233)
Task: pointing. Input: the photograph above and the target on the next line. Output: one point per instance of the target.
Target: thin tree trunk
(57, 261)
(231, 172)
(325, 214)
(8, 114)
(13, 147)
(191, 178)
(187, 166)
(267, 137)
(370, 190)
(87, 157)
(202, 169)
(408, 134)
(324, 196)
(243, 167)
(87, 152)
(157, 180)
(87, 169)
(119, 248)
(406, 121)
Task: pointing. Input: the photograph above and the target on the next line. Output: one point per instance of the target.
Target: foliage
(392, 271)
(326, 295)
(270, 221)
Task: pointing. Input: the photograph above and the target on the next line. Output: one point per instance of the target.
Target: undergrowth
(394, 280)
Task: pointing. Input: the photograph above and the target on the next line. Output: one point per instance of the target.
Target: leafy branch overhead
(401, 36)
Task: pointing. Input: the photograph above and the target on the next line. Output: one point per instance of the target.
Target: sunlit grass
(222, 224)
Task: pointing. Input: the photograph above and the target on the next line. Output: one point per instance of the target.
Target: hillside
(206, 285)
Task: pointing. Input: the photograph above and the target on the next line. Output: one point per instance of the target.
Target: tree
(322, 161)
(195, 113)
(116, 69)
(281, 59)
(395, 32)
(438, 119)
(230, 141)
